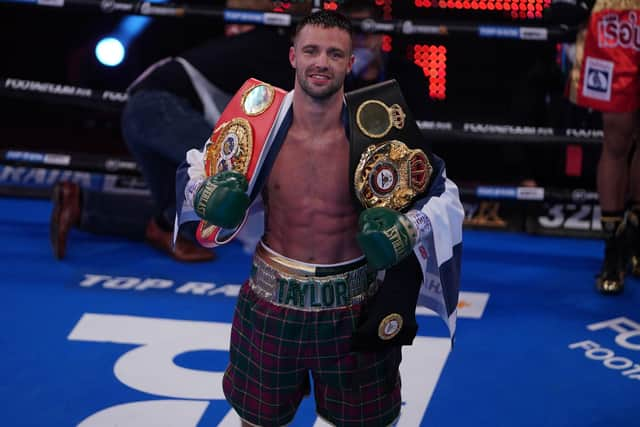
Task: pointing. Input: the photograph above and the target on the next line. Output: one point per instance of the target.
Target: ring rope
(127, 167)
(415, 28)
(454, 132)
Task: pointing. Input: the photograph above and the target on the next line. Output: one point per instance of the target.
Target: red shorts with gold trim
(605, 75)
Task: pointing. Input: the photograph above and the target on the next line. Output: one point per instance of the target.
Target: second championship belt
(239, 143)
(388, 162)
(389, 168)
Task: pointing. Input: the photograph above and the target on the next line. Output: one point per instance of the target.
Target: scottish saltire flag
(440, 252)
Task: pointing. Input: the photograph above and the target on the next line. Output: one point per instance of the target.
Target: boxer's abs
(310, 213)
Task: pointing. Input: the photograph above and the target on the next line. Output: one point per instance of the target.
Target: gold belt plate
(232, 149)
(390, 174)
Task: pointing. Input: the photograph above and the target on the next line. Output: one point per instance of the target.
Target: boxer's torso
(310, 214)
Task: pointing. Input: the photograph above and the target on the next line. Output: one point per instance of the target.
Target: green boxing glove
(222, 199)
(387, 236)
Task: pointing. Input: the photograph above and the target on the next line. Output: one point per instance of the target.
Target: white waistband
(306, 264)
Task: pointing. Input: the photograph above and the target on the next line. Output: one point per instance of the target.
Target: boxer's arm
(386, 236)
(429, 276)
(221, 199)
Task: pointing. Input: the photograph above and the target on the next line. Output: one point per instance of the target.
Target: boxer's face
(322, 58)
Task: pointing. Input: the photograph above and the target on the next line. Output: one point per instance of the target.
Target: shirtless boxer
(320, 254)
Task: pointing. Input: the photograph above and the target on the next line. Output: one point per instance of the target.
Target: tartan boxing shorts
(293, 320)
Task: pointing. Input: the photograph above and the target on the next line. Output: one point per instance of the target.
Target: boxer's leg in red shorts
(606, 78)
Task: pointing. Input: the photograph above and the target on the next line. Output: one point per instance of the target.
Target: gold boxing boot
(633, 233)
(610, 280)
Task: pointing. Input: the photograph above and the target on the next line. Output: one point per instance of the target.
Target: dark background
(488, 80)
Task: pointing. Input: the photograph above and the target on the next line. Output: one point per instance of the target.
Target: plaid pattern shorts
(274, 349)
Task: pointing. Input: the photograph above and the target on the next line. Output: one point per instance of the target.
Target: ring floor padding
(119, 334)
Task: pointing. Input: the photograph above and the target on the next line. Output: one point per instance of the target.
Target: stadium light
(110, 51)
